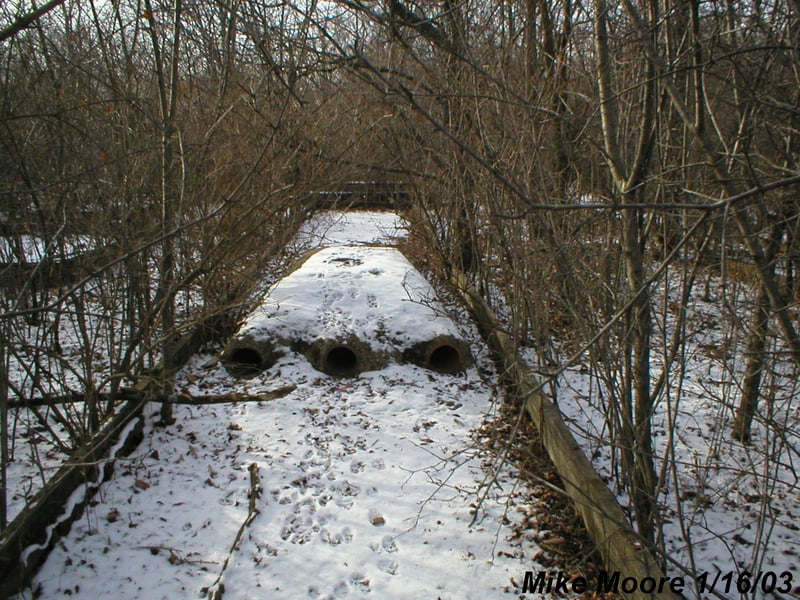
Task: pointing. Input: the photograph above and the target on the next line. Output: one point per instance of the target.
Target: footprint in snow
(345, 503)
(299, 530)
(359, 579)
(334, 539)
(330, 295)
(387, 544)
(346, 488)
(307, 504)
(387, 565)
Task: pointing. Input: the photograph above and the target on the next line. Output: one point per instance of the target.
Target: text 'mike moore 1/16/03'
(553, 582)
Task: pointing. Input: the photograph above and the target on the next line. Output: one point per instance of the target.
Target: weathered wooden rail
(618, 544)
(394, 195)
(27, 540)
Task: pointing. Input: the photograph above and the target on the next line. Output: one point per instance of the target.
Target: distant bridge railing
(365, 194)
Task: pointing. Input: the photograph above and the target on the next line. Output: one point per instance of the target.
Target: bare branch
(28, 19)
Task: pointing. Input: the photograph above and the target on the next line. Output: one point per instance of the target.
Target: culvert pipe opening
(444, 354)
(340, 360)
(247, 356)
(245, 362)
(445, 358)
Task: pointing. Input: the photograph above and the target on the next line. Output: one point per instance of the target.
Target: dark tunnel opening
(245, 362)
(445, 358)
(341, 360)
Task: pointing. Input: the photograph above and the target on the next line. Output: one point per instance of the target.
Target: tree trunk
(729, 184)
(629, 181)
(756, 345)
(643, 476)
(751, 385)
(170, 192)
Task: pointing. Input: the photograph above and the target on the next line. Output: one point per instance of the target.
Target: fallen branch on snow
(137, 395)
(175, 557)
(216, 589)
(232, 397)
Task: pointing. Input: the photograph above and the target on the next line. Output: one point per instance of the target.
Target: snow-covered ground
(39, 442)
(371, 293)
(370, 485)
(728, 508)
(353, 228)
(367, 486)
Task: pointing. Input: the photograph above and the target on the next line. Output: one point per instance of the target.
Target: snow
(35, 454)
(726, 507)
(351, 228)
(368, 485)
(34, 248)
(34, 457)
(372, 293)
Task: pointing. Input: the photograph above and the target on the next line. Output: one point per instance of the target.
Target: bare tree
(629, 177)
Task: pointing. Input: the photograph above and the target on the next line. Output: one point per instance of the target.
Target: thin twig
(216, 589)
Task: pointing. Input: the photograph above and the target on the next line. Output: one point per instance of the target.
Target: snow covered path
(369, 485)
